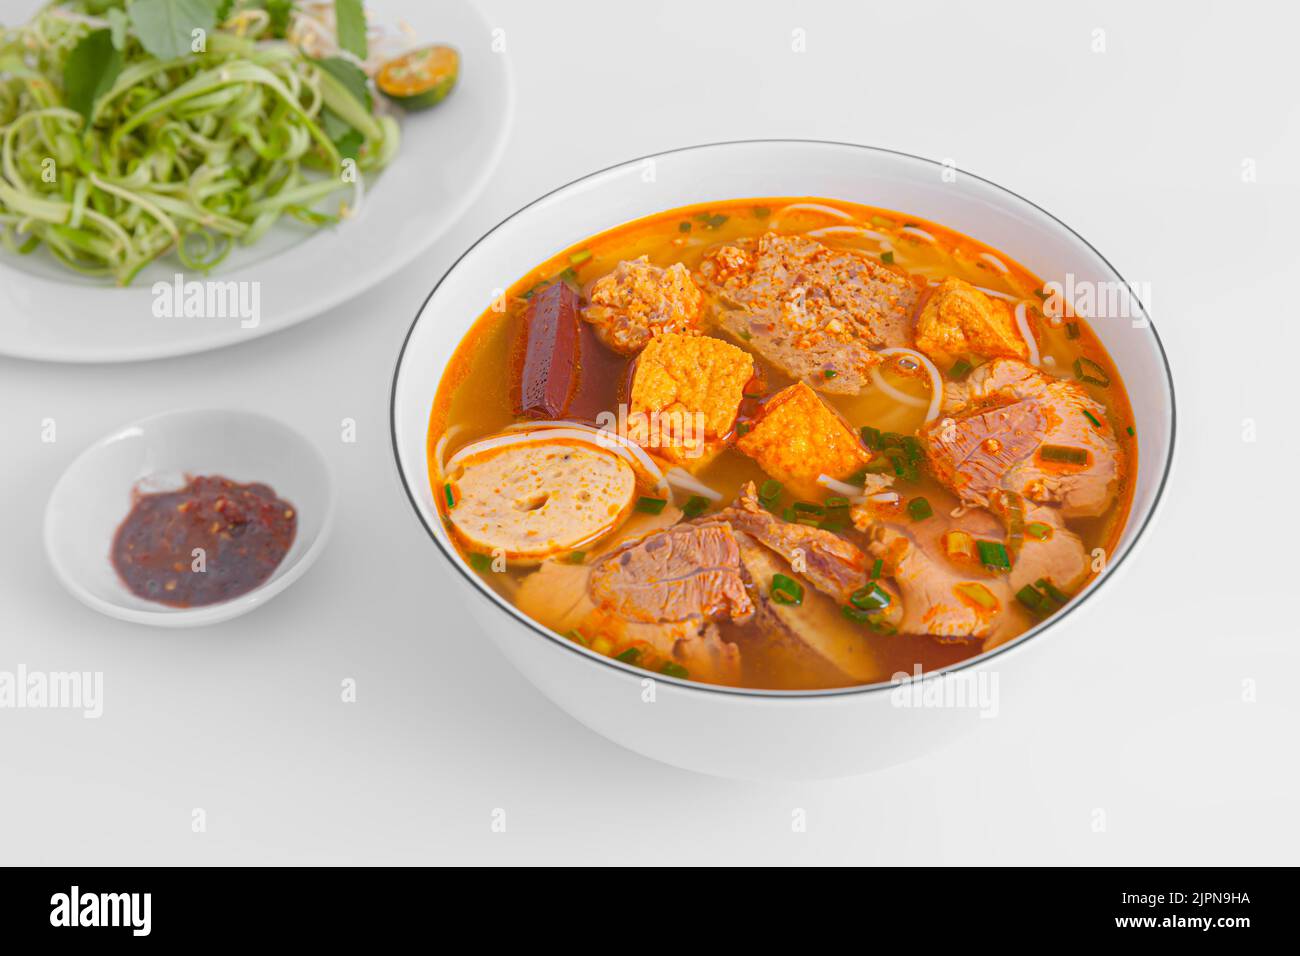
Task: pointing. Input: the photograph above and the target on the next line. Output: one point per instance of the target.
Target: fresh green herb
(1052, 591)
(683, 227)
(166, 28)
(1130, 430)
(577, 557)
(1086, 370)
(836, 501)
(835, 524)
(880, 465)
(871, 437)
(786, 590)
(960, 369)
(1032, 599)
(856, 615)
(569, 276)
(711, 221)
(650, 506)
(479, 561)
(872, 597)
(829, 373)
(579, 257)
(1092, 418)
(809, 508)
(977, 593)
(743, 429)
(90, 71)
(1064, 453)
(877, 568)
(350, 17)
(919, 509)
(1039, 530)
(576, 635)
(695, 506)
(887, 257)
(993, 554)
(789, 514)
(280, 12)
(629, 656)
(762, 212)
(451, 498)
(673, 669)
(770, 491)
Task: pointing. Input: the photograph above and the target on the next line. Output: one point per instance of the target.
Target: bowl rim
(978, 660)
(207, 613)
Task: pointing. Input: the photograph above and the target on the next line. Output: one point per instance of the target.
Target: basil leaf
(350, 15)
(351, 76)
(166, 27)
(90, 71)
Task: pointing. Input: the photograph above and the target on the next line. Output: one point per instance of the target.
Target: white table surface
(1140, 712)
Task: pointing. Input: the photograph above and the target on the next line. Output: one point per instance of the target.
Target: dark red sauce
(244, 532)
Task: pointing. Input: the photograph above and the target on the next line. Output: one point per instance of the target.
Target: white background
(1140, 712)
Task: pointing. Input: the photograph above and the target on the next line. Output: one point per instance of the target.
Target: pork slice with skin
(993, 429)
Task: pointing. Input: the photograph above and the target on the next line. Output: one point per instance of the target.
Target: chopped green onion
(770, 490)
(578, 258)
(833, 524)
(829, 373)
(919, 509)
(960, 369)
(1131, 431)
(789, 515)
(1052, 591)
(1039, 530)
(1064, 453)
(871, 437)
(650, 506)
(479, 561)
(786, 590)
(880, 465)
(576, 635)
(1092, 418)
(1086, 370)
(1032, 599)
(695, 506)
(570, 276)
(809, 508)
(887, 258)
(870, 598)
(673, 669)
(629, 656)
(876, 568)
(856, 615)
(977, 593)
(577, 557)
(836, 501)
(911, 446)
(993, 555)
(683, 227)
(762, 212)
(451, 498)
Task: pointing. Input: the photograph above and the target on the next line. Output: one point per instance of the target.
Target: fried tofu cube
(639, 300)
(959, 319)
(685, 395)
(799, 438)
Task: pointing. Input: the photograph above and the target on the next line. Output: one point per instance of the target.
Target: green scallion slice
(770, 490)
(877, 568)
(479, 561)
(887, 258)
(629, 656)
(960, 369)
(871, 437)
(695, 506)
(1039, 530)
(809, 508)
(786, 590)
(919, 509)
(1092, 418)
(1064, 453)
(993, 554)
(650, 506)
(673, 669)
(1086, 370)
(451, 498)
(577, 557)
(872, 597)
(578, 258)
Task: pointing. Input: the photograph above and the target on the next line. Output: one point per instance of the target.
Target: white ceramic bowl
(93, 496)
(748, 733)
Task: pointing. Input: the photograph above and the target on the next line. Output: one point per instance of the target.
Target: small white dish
(446, 157)
(94, 495)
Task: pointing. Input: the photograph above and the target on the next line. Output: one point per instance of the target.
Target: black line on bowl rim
(834, 692)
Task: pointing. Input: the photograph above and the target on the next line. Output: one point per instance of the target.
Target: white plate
(742, 732)
(93, 496)
(447, 154)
